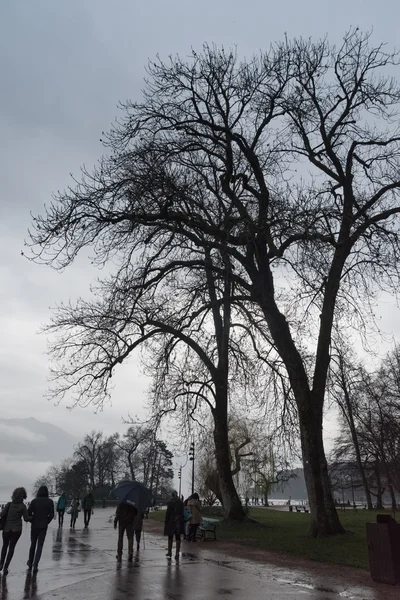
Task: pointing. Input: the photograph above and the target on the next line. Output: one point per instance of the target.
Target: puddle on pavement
(316, 588)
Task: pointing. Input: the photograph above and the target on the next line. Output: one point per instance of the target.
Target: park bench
(300, 509)
(208, 527)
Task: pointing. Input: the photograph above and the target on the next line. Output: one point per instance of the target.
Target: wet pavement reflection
(80, 565)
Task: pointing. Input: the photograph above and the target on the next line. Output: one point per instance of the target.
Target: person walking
(138, 527)
(195, 508)
(125, 517)
(12, 514)
(74, 512)
(61, 506)
(87, 505)
(41, 511)
(187, 515)
(174, 524)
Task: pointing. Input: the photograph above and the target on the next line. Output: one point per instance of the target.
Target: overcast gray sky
(64, 67)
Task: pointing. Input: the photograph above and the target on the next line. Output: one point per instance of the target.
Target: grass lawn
(287, 532)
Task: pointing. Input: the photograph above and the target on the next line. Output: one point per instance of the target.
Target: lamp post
(180, 480)
(191, 457)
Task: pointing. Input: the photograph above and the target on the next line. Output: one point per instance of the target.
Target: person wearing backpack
(11, 519)
(61, 507)
(195, 507)
(41, 511)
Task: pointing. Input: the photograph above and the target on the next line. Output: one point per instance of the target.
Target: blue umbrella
(133, 493)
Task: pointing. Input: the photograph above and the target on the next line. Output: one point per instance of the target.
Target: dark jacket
(88, 502)
(41, 509)
(174, 520)
(15, 511)
(138, 522)
(125, 514)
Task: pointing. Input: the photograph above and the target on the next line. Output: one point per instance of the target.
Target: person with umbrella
(124, 518)
(174, 524)
(133, 498)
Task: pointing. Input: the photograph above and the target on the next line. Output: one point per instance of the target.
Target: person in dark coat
(174, 524)
(87, 505)
(75, 508)
(138, 527)
(41, 511)
(125, 518)
(13, 513)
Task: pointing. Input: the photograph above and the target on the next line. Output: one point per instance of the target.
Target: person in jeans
(61, 507)
(41, 511)
(87, 505)
(124, 518)
(195, 507)
(12, 513)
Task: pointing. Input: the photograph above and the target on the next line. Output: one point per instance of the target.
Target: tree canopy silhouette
(286, 167)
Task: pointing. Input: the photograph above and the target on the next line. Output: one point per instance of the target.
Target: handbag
(3, 519)
(187, 515)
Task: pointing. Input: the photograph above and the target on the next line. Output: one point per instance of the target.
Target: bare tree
(129, 443)
(346, 381)
(88, 453)
(288, 166)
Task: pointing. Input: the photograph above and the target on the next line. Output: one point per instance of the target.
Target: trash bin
(383, 538)
(290, 508)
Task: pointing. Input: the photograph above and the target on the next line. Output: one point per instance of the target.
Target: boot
(169, 551)
(177, 549)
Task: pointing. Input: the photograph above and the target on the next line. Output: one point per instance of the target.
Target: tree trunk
(348, 415)
(233, 508)
(324, 518)
(131, 467)
(379, 491)
(393, 498)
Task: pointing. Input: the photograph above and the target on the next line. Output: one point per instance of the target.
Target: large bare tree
(288, 166)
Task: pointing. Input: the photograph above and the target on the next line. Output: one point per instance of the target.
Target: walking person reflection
(12, 513)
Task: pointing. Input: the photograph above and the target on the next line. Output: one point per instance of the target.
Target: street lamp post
(180, 480)
(191, 457)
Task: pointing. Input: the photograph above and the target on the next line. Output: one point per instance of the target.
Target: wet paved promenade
(81, 565)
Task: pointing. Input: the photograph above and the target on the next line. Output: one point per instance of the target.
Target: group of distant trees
(247, 209)
(99, 462)
(260, 460)
(367, 452)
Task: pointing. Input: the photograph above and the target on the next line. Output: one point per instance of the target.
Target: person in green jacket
(87, 505)
(61, 506)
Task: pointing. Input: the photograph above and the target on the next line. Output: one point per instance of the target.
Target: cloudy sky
(64, 67)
